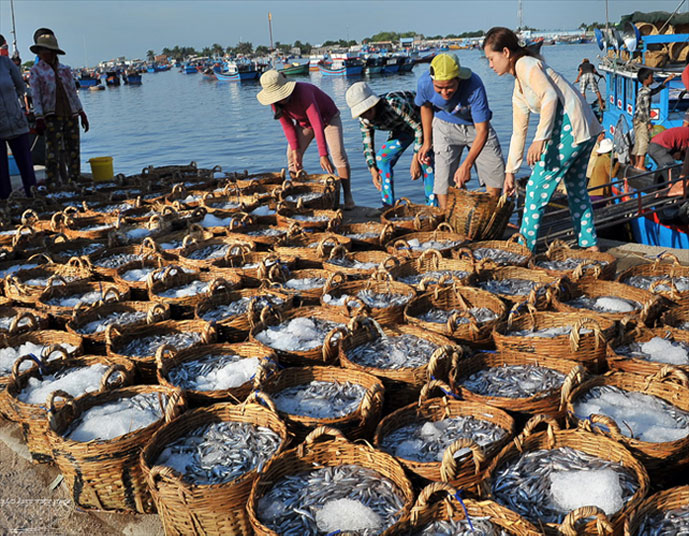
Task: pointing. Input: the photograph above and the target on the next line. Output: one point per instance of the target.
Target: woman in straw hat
(57, 107)
(306, 112)
(14, 128)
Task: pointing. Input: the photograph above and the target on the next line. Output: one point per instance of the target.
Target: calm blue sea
(174, 118)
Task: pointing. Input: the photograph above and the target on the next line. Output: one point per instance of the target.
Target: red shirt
(310, 107)
(674, 139)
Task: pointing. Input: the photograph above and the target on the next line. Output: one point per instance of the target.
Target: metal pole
(14, 30)
(270, 29)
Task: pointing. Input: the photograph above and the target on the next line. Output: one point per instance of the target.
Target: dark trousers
(662, 158)
(62, 148)
(21, 150)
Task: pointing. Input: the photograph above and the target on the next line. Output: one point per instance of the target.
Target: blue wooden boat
(667, 110)
(343, 67)
(374, 65)
(88, 80)
(238, 72)
(190, 69)
(132, 78)
(112, 78)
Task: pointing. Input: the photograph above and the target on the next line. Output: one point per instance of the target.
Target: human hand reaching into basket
(508, 185)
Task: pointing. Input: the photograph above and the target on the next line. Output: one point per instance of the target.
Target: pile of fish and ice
(320, 399)
(543, 486)
(74, 381)
(415, 244)
(448, 276)
(640, 416)
(426, 441)
(147, 346)
(375, 300)
(9, 355)
(331, 499)
(511, 287)
(111, 420)
(569, 264)
(545, 333)
(476, 526)
(347, 262)
(297, 335)
(670, 522)
(514, 381)
(305, 283)
(441, 316)
(604, 304)
(644, 282)
(657, 350)
(220, 452)
(393, 352)
(498, 256)
(214, 372)
(241, 306)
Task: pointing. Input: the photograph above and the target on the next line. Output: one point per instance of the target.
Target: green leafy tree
(217, 49)
(207, 51)
(262, 50)
(150, 55)
(244, 48)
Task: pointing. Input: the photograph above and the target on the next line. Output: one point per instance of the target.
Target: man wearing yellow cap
(455, 115)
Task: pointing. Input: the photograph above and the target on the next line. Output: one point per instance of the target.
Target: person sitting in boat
(642, 115)
(587, 79)
(455, 115)
(667, 147)
(57, 107)
(395, 112)
(305, 112)
(14, 128)
(566, 133)
(604, 169)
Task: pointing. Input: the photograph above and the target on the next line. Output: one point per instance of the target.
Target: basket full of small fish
(307, 195)
(308, 397)
(665, 276)
(359, 264)
(412, 245)
(554, 478)
(431, 268)
(644, 351)
(516, 285)
(561, 260)
(499, 252)
(310, 249)
(665, 513)
(214, 372)
(405, 216)
(443, 438)
(200, 468)
(322, 487)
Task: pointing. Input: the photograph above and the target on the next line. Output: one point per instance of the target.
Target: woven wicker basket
(425, 512)
(91, 227)
(252, 233)
(538, 297)
(359, 261)
(406, 216)
(316, 220)
(638, 365)
(587, 442)
(32, 417)
(191, 245)
(360, 423)
(463, 299)
(301, 246)
(308, 196)
(332, 453)
(172, 243)
(147, 249)
(23, 320)
(466, 471)
(305, 296)
(212, 509)
(252, 267)
(236, 328)
(443, 234)
(321, 355)
(246, 180)
(106, 474)
(116, 338)
(403, 384)
(62, 313)
(665, 266)
(603, 265)
(585, 348)
(432, 260)
(650, 309)
(155, 312)
(511, 245)
(54, 274)
(381, 234)
(669, 384)
(336, 286)
(168, 359)
(658, 503)
(547, 402)
(478, 215)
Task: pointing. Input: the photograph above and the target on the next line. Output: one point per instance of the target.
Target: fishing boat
(132, 78)
(343, 65)
(392, 65)
(237, 72)
(315, 61)
(295, 69)
(112, 78)
(87, 80)
(209, 74)
(663, 54)
(374, 65)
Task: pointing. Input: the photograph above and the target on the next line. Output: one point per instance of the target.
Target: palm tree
(150, 55)
(217, 49)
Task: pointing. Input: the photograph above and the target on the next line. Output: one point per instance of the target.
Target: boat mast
(270, 29)
(520, 15)
(14, 31)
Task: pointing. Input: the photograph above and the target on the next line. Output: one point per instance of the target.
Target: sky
(94, 30)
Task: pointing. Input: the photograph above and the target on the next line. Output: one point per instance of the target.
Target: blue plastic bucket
(14, 170)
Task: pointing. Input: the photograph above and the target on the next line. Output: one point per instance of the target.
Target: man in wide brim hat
(57, 108)
(46, 41)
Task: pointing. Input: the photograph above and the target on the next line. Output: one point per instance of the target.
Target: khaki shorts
(449, 141)
(333, 138)
(641, 138)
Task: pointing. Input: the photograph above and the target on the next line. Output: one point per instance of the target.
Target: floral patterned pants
(62, 148)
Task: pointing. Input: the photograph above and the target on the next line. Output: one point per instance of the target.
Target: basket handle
(156, 313)
(356, 307)
(175, 405)
(318, 434)
(575, 334)
(516, 237)
(389, 263)
(334, 280)
(78, 263)
(178, 189)
(423, 502)
(261, 398)
(38, 256)
(50, 402)
(430, 386)
(572, 380)
(163, 353)
(460, 253)
(531, 425)
(386, 233)
(664, 281)
(371, 404)
(603, 525)
(54, 348)
(337, 251)
(209, 333)
(453, 324)
(112, 331)
(330, 342)
(111, 295)
(335, 221)
(668, 374)
(432, 255)
(29, 216)
(148, 247)
(448, 467)
(610, 424)
(56, 221)
(665, 256)
(219, 284)
(17, 364)
(105, 381)
(650, 307)
(437, 360)
(444, 227)
(33, 322)
(189, 240)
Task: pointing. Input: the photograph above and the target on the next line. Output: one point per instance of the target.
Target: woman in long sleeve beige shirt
(566, 133)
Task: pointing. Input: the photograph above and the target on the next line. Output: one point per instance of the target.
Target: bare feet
(595, 249)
